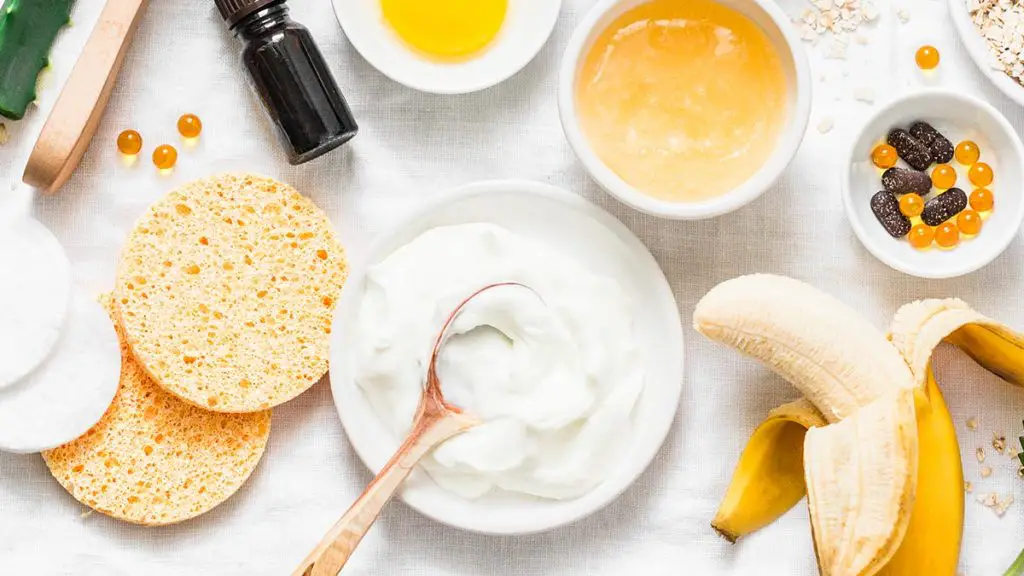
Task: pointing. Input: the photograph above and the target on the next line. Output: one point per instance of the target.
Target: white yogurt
(554, 373)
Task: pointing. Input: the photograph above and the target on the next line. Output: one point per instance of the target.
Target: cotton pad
(69, 392)
(35, 286)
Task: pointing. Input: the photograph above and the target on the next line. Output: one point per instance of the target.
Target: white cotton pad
(69, 392)
(35, 286)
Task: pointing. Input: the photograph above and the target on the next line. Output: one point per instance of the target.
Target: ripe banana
(873, 452)
(817, 343)
(861, 480)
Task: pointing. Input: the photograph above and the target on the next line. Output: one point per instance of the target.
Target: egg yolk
(446, 28)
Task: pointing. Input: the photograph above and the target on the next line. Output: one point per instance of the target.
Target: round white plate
(69, 392)
(958, 117)
(528, 24)
(977, 47)
(35, 287)
(602, 244)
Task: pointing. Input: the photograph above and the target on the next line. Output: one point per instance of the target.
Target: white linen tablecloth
(413, 147)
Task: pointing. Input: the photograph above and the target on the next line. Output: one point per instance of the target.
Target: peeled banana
(872, 444)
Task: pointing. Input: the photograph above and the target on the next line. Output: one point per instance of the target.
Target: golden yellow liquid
(684, 100)
(447, 29)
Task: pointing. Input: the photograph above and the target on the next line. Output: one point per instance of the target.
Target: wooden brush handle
(330, 556)
(75, 116)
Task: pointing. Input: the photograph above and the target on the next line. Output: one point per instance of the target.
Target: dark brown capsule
(944, 206)
(904, 181)
(887, 209)
(940, 146)
(910, 149)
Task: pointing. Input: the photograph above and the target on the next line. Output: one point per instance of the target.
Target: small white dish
(597, 240)
(958, 117)
(526, 29)
(976, 46)
(775, 23)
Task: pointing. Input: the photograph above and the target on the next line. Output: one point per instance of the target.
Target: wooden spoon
(76, 115)
(436, 422)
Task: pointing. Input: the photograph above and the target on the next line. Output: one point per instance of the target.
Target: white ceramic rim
(385, 67)
(659, 428)
(977, 48)
(745, 193)
(858, 228)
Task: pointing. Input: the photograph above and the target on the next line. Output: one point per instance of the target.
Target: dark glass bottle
(291, 77)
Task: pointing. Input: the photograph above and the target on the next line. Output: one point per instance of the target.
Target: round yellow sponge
(153, 459)
(226, 290)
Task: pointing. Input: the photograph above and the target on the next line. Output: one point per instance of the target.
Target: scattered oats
(861, 39)
(986, 471)
(968, 487)
(1002, 505)
(4, 136)
(85, 514)
(1020, 472)
(835, 17)
(999, 442)
(1012, 452)
(864, 94)
(998, 504)
(903, 15)
(869, 11)
(826, 124)
(972, 423)
(980, 453)
(837, 49)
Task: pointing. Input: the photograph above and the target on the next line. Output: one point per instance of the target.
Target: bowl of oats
(993, 33)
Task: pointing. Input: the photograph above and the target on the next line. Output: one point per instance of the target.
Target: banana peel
(774, 451)
(918, 533)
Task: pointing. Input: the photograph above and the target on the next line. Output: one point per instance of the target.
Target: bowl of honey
(685, 110)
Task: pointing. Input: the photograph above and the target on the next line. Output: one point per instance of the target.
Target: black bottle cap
(234, 10)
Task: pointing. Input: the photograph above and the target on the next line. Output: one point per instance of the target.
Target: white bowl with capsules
(587, 235)
(526, 28)
(767, 15)
(958, 117)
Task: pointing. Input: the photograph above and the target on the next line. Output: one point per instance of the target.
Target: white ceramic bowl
(597, 240)
(782, 34)
(958, 117)
(526, 29)
(977, 47)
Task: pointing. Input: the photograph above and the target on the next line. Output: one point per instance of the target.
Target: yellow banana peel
(775, 451)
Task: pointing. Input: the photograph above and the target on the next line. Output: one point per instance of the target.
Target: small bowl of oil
(448, 46)
(685, 110)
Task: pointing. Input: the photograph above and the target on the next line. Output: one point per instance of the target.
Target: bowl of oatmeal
(991, 31)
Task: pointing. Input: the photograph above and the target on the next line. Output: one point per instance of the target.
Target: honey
(683, 100)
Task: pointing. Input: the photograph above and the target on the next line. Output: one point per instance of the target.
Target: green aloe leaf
(1017, 569)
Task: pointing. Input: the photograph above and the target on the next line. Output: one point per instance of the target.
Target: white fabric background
(414, 146)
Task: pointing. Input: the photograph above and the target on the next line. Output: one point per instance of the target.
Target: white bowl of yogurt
(577, 384)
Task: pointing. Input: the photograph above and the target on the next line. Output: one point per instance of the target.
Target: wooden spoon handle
(330, 556)
(75, 116)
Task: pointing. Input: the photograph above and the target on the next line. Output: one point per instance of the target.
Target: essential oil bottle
(292, 79)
